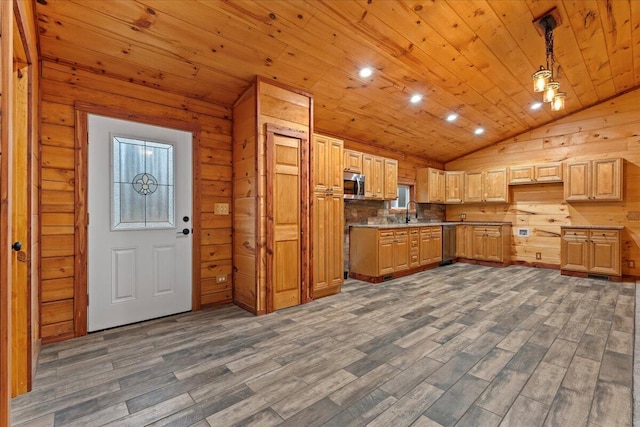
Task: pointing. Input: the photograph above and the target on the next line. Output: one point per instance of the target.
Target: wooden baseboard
(485, 263)
(586, 275)
(321, 293)
(537, 265)
(246, 307)
(391, 276)
(57, 338)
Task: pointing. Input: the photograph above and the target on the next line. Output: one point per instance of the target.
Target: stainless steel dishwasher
(448, 244)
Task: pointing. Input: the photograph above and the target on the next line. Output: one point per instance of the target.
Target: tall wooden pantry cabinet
(327, 215)
(271, 135)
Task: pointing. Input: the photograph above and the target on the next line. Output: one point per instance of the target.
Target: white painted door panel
(139, 264)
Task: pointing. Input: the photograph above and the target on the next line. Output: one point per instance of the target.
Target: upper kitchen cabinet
(352, 161)
(486, 186)
(373, 171)
(390, 179)
(326, 166)
(534, 174)
(593, 180)
(453, 187)
(430, 185)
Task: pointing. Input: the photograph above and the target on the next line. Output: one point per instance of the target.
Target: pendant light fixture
(543, 78)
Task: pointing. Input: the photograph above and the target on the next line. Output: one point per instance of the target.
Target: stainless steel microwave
(353, 186)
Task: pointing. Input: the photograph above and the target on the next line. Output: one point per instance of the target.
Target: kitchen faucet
(407, 214)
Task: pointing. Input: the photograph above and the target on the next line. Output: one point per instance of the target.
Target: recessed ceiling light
(415, 98)
(479, 131)
(452, 117)
(365, 72)
(536, 105)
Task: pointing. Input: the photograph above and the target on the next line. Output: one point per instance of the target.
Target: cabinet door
(521, 175)
(496, 188)
(605, 252)
(334, 166)
(435, 185)
(493, 244)
(377, 189)
(321, 241)
(454, 186)
(576, 181)
(606, 179)
(390, 179)
(367, 171)
(353, 161)
(385, 252)
(401, 251)
(425, 246)
(574, 251)
(477, 243)
(436, 244)
(334, 251)
(550, 172)
(463, 249)
(473, 191)
(320, 161)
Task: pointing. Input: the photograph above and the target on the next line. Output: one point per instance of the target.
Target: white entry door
(139, 249)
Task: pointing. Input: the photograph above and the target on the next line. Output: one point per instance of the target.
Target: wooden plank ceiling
(474, 58)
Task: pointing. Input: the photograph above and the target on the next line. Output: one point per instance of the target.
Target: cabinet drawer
(576, 234)
(605, 234)
(384, 234)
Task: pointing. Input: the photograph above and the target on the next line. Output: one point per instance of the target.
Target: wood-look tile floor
(459, 345)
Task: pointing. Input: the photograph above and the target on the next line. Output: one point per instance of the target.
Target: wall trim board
(82, 110)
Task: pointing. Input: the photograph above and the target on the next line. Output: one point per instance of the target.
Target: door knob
(185, 231)
(16, 246)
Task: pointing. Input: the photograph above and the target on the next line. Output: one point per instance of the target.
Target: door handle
(16, 246)
(184, 231)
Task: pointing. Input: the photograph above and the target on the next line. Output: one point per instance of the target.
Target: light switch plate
(221, 208)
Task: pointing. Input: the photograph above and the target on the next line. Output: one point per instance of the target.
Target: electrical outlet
(633, 216)
(538, 255)
(632, 263)
(463, 216)
(221, 208)
(221, 279)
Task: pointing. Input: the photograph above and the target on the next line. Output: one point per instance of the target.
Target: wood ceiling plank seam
(615, 19)
(590, 37)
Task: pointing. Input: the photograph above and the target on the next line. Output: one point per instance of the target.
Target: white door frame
(82, 110)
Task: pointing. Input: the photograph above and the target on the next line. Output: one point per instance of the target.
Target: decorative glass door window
(142, 184)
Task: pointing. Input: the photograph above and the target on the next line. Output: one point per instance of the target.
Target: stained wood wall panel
(608, 130)
(61, 88)
(260, 104)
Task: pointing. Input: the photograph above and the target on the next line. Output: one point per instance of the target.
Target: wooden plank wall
(283, 107)
(608, 130)
(61, 88)
(264, 102)
(244, 200)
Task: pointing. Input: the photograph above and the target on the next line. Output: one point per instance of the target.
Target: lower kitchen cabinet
(484, 243)
(591, 250)
(379, 253)
(430, 245)
(328, 243)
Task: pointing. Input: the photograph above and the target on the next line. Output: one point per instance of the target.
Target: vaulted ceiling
(473, 58)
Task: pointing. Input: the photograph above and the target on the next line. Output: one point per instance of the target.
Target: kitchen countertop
(599, 227)
(428, 224)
